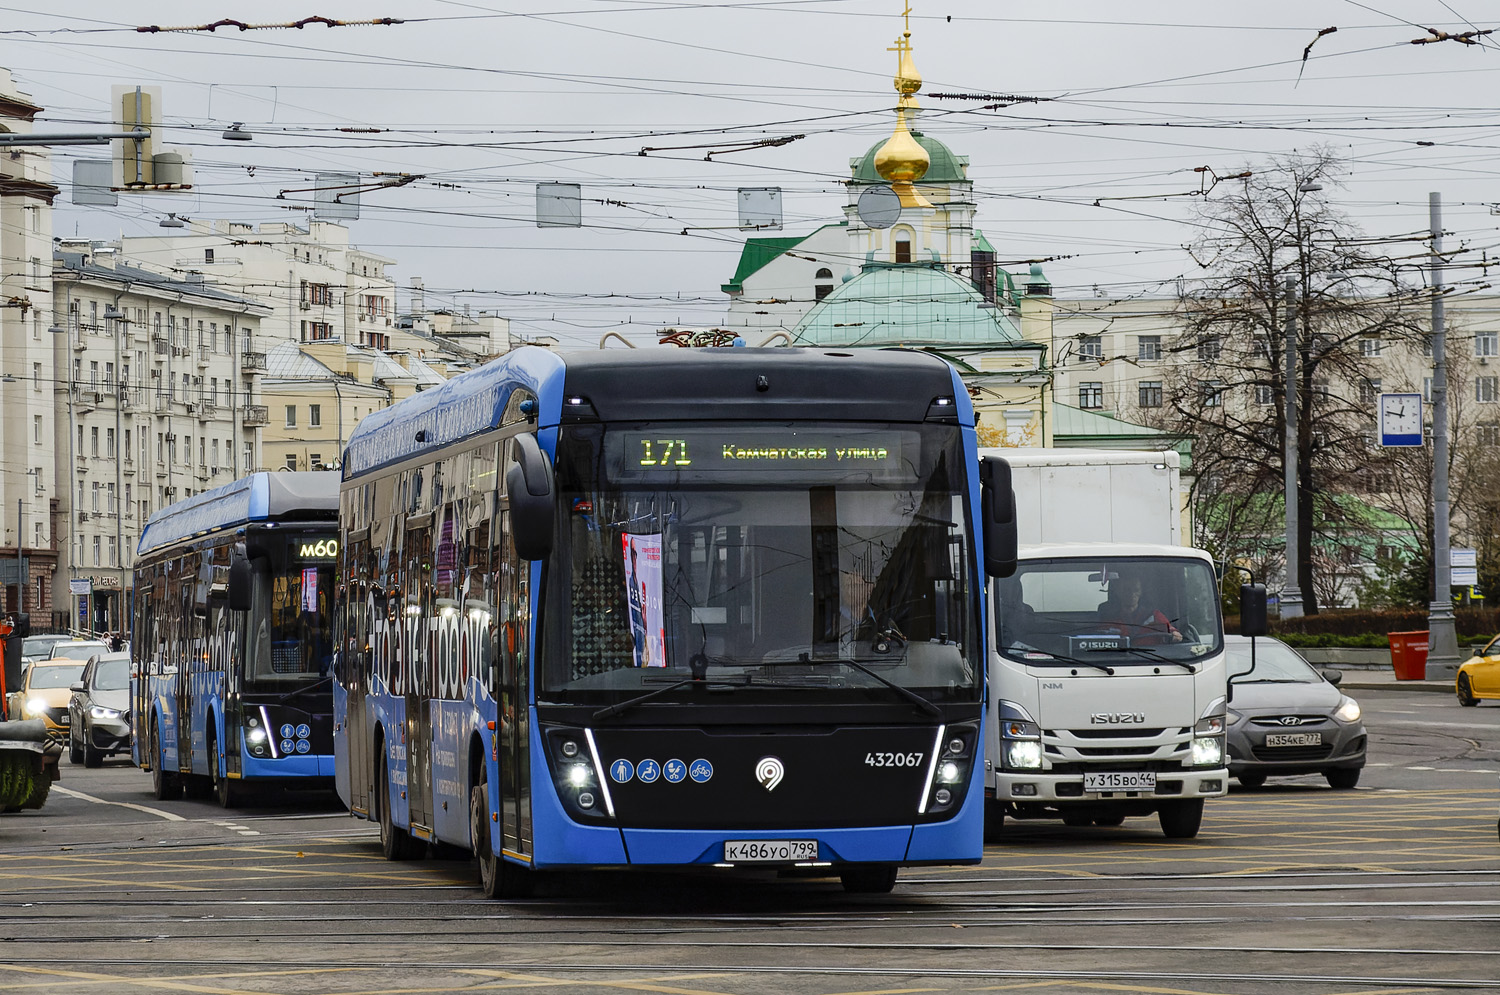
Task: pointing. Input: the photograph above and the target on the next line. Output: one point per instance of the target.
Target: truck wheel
(869, 879)
(994, 821)
(1180, 819)
(1110, 820)
(1076, 819)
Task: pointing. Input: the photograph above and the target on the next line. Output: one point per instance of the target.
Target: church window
(903, 247)
(823, 283)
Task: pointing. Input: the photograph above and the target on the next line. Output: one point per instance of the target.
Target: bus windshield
(290, 612)
(783, 558)
(1108, 609)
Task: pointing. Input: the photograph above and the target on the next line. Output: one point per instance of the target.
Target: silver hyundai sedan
(1286, 718)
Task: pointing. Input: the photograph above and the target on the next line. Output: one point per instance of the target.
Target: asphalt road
(1390, 888)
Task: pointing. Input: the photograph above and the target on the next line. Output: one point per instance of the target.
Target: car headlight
(35, 706)
(1348, 710)
(100, 712)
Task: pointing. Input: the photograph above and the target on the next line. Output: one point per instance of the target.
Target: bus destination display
(691, 452)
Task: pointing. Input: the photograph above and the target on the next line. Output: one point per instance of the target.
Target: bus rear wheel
(498, 877)
(225, 791)
(395, 842)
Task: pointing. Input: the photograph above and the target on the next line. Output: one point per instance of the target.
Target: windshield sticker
(643, 583)
(647, 771)
(674, 770)
(622, 771)
(701, 771)
(309, 589)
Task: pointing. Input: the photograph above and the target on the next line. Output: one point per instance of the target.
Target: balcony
(203, 354)
(252, 362)
(207, 410)
(255, 416)
(86, 396)
(160, 346)
(161, 404)
(82, 461)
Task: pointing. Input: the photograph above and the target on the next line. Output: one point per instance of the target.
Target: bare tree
(1349, 303)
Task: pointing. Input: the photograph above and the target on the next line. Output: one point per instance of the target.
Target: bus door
(179, 662)
(360, 600)
(418, 621)
(512, 694)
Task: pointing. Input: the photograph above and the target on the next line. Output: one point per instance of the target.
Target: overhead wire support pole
(1442, 638)
(1291, 594)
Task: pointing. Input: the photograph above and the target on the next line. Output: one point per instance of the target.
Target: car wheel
(91, 756)
(1465, 692)
(165, 785)
(1180, 819)
(1343, 778)
(1251, 780)
(395, 842)
(869, 879)
(75, 752)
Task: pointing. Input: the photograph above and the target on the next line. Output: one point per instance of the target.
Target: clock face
(1402, 414)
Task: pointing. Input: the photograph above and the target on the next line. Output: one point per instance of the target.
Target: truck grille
(1125, 732)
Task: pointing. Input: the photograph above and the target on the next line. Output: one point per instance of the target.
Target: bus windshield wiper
(304, 689)
(609, 711)
(926, 706)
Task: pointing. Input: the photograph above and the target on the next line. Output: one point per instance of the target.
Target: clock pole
(1442, 639)
(1291, 594)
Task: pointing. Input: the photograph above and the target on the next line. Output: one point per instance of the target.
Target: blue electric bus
(232, 642)
(671, 608)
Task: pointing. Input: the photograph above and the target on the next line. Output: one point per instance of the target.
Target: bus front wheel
(498, 877)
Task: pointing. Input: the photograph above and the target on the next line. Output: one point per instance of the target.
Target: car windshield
(112, 674)
(77, 651)
(758, 568)
(40, 647)
(1108, 610)
(60, 675)
(1274, 661)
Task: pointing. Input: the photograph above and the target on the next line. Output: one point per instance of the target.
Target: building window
(208, 255)
(36, 429)
(314, 415)
(202, 451)
(1091, 347)
(36, 377)
(1370, 346)
(1487, 343)
(319, 293)
(291, 461)
(291, 416)
(109, 497)
(1091, 396)
(215, 453)
(1213, 394)
(1369, 391)
(1149, 393)
(1209, 348)
(109, 443)
(1488, 433)
(94, 440)
(1148, 347)
(822, 284)
(1427, 389)
(902, 245)
(315, 461)
(94, 496)
(1486, 389)
(96, 552)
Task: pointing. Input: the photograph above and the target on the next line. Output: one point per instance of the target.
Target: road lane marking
(159, 813)
(642, 985)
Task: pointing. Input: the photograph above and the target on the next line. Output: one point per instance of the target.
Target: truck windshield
(760, 570)
(1108, 610)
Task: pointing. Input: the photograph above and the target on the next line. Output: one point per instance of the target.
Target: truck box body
(1126, 719)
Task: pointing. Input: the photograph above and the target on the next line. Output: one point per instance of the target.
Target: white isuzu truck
(1107, 670)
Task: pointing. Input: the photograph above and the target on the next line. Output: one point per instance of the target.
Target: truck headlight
(1023, 754)
(1208, 751)
(1348, 710)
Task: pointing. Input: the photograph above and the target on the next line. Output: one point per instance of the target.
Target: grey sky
(486, 100)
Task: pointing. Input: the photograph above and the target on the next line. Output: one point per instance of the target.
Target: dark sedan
(1286, 718)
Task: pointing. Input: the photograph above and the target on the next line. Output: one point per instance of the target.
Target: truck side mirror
(997, 502)
(1253, 610)
(528, 485)
(241, 580)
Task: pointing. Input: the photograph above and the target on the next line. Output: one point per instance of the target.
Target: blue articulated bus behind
(671, 608)
(232, 642)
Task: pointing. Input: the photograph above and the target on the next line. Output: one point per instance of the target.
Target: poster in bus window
(309, 589)
(643, 587)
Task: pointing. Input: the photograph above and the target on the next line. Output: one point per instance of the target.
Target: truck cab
(1108, 680)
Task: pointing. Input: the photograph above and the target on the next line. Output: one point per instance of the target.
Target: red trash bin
(1409, 655)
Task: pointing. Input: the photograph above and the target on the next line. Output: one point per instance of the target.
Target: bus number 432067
(893, 759)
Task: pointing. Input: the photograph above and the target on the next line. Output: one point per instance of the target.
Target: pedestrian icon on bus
(701, 771)
(674, 770)
(622, 771)
(648, 771)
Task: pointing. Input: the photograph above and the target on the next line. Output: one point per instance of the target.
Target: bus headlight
(573, 772)
(957, 746)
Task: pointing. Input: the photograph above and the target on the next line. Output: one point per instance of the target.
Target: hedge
(1472, 624)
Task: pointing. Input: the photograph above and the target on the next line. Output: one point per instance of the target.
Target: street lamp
(1290, 601)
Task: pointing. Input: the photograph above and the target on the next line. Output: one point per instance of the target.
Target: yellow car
(44, 694)
(1479, 677)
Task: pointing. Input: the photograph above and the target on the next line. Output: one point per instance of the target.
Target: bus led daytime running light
(609, 803)
(266, 718)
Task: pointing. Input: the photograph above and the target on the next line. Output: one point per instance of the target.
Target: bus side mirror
(528, 485)
(240, 582)
(997, 502)
(1253, 610)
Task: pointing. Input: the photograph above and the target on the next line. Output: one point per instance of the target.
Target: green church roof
(945, 167)
(905, 304)
(760, 251)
